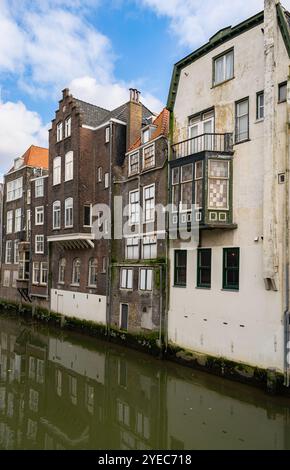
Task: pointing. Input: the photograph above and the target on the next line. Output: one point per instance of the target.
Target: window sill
(39, 225)
(215, 85)
(281, 102)
(203, 287)
(54, 184)
(69, 226)
(124, 289)
(230, 290)
(242, 142)
(258, 121)
(74, 285)
(66, 181)
(179, 287)
(92, 287)
(39, 253)
(60, 283)
(56, 228)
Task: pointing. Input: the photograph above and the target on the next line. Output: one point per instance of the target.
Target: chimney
(134, 124)
(65, 93)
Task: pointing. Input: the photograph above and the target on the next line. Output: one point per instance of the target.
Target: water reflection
(61, 391)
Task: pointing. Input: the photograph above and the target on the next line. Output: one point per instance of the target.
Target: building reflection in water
(66, 392)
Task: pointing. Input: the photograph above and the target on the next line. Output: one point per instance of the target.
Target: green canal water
(60, 390)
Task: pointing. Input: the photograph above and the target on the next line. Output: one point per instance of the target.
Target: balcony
(218, 143)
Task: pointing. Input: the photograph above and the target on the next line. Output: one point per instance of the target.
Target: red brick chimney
(134, 124)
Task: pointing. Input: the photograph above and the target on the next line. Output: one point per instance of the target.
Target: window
(145, 279)
(9, 228)
(39, 215)
(39, 187)
(104, 264)
(100, 174)
(35, 273)
(68, 212)
(59, 132)
(43, 273)
(14, 278)
(56, 170)
(198, 178)
(186, 187)
(282, 92)
(149, 203)
(242, 120)
(67, 127)
(28, 224)
(148, 157)
(134, 207)
(107, 135)
(180, 267)
(61, 270)
(18, 216)
(93, 272)
(260, 106)
(204, 268)
(23, 271)
(56, 215)
(231, 268)
(175, 189)
(218, 185)
(16, 251)
(69, 166)
(124, 315)
(223, 67)
(149, 248)
(28, 197)
(106, 180)
(87, 215)
(145, 136)
(39, 243)
(133, 163)
(76, 274)
(14, 189)
(8, 253)
(126, 278)
(132, 248)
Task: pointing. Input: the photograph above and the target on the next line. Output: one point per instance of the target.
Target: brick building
(87, 146)
(139, 257)
(18, 245)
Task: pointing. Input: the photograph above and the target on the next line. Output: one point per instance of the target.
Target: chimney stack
(134, 124)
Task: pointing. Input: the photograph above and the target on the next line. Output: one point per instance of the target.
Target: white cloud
(194, 21)
(19, 128)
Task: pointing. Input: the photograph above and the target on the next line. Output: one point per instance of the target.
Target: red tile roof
(36, 156)
(162, 128)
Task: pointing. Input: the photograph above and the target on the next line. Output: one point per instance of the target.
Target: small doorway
(60, 303)
(124, 316)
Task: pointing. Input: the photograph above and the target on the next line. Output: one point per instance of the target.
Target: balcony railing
(202, 143)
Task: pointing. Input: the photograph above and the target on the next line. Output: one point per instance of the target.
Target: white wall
(260, 341)
(76, 304)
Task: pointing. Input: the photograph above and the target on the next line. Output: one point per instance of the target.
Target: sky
(98, 49)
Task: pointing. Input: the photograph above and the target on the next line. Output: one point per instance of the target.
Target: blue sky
(97, 48)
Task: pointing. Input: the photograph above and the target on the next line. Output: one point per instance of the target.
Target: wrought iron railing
(202, 143)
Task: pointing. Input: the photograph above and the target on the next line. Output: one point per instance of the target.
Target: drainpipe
(287, 254)
(160, 310)
(109, 263)
(167, 252)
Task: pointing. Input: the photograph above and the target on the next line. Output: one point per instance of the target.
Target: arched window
(93, 264)
(76, 274)
(56, 170)
(68, 205)
(61, 270)
(69, 166)
(56, 215)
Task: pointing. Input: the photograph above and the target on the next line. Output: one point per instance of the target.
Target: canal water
(60, 390)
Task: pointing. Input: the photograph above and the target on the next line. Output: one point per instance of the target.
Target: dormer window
(145, 136)
(133, 163)
(59, 132)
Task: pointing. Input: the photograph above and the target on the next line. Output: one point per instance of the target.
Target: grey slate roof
(94, 115)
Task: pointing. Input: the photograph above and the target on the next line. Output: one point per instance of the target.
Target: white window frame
(15, 189)
(69, 166)
(150, 241)
(43, 273)
(8, 252)
(59, 131)
(76, 263)
(225, 178)
(260, 109)
(238, 117)
(145, 281)
(93, 265)
(67, 127)
(134, 154)
(134, 216)
(39, 187)
(61, 270)
(132, 245)
(106, 180)
(143, 156)
(39, 240)
(39, 215)
(126, 278)
(36, 272)
(223, 57)
(18, 220)
(107, 135)
(56, 172)
(68, 208)
(56, 208)
(145, 136)
(100, 174)
(16, 251)
(28, 197)
(145, 220)
(9, 221)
